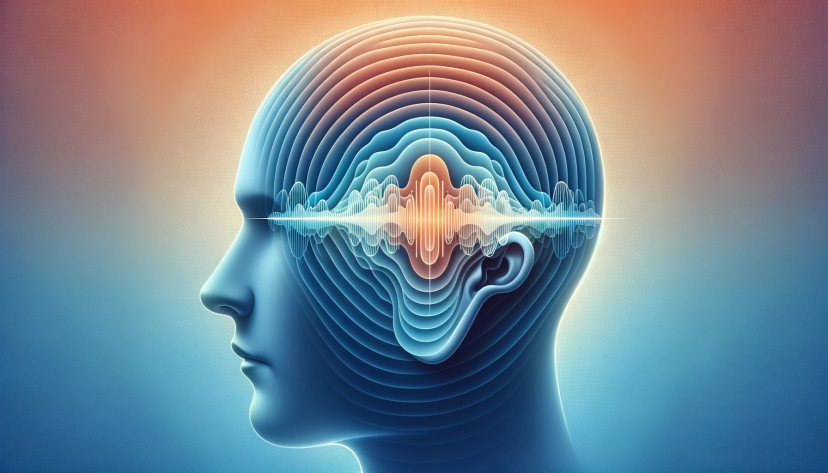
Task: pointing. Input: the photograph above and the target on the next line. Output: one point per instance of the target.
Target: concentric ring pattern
(350, 120)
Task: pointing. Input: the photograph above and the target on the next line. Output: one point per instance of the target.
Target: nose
(235, 302)
(226, 292)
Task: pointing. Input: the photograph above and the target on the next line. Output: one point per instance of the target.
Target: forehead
(251, 195)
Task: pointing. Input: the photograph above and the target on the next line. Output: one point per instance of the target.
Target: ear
(503, 272)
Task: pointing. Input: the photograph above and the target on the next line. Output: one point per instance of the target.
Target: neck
(525, 432)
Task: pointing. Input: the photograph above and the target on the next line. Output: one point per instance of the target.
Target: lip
(247, 356)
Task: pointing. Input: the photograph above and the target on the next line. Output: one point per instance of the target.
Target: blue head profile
(421, 197)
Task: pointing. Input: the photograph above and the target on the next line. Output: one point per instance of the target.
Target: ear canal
(501, 268)
(505, 273)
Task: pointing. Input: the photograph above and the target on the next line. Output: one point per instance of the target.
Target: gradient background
(698, 339)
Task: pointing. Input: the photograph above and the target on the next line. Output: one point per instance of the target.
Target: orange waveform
(430, 200)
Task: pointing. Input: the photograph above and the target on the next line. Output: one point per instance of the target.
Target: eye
(254, 206)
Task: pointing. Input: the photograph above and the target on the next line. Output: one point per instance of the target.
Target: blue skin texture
(317, 339)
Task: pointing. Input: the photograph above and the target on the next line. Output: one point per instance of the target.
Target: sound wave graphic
(429, 217)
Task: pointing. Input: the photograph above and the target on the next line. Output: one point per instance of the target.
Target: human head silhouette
(421, 197)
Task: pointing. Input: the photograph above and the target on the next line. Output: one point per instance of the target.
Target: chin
(270, 420)
(283, 424)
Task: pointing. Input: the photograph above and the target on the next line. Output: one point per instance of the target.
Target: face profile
(420, 198)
